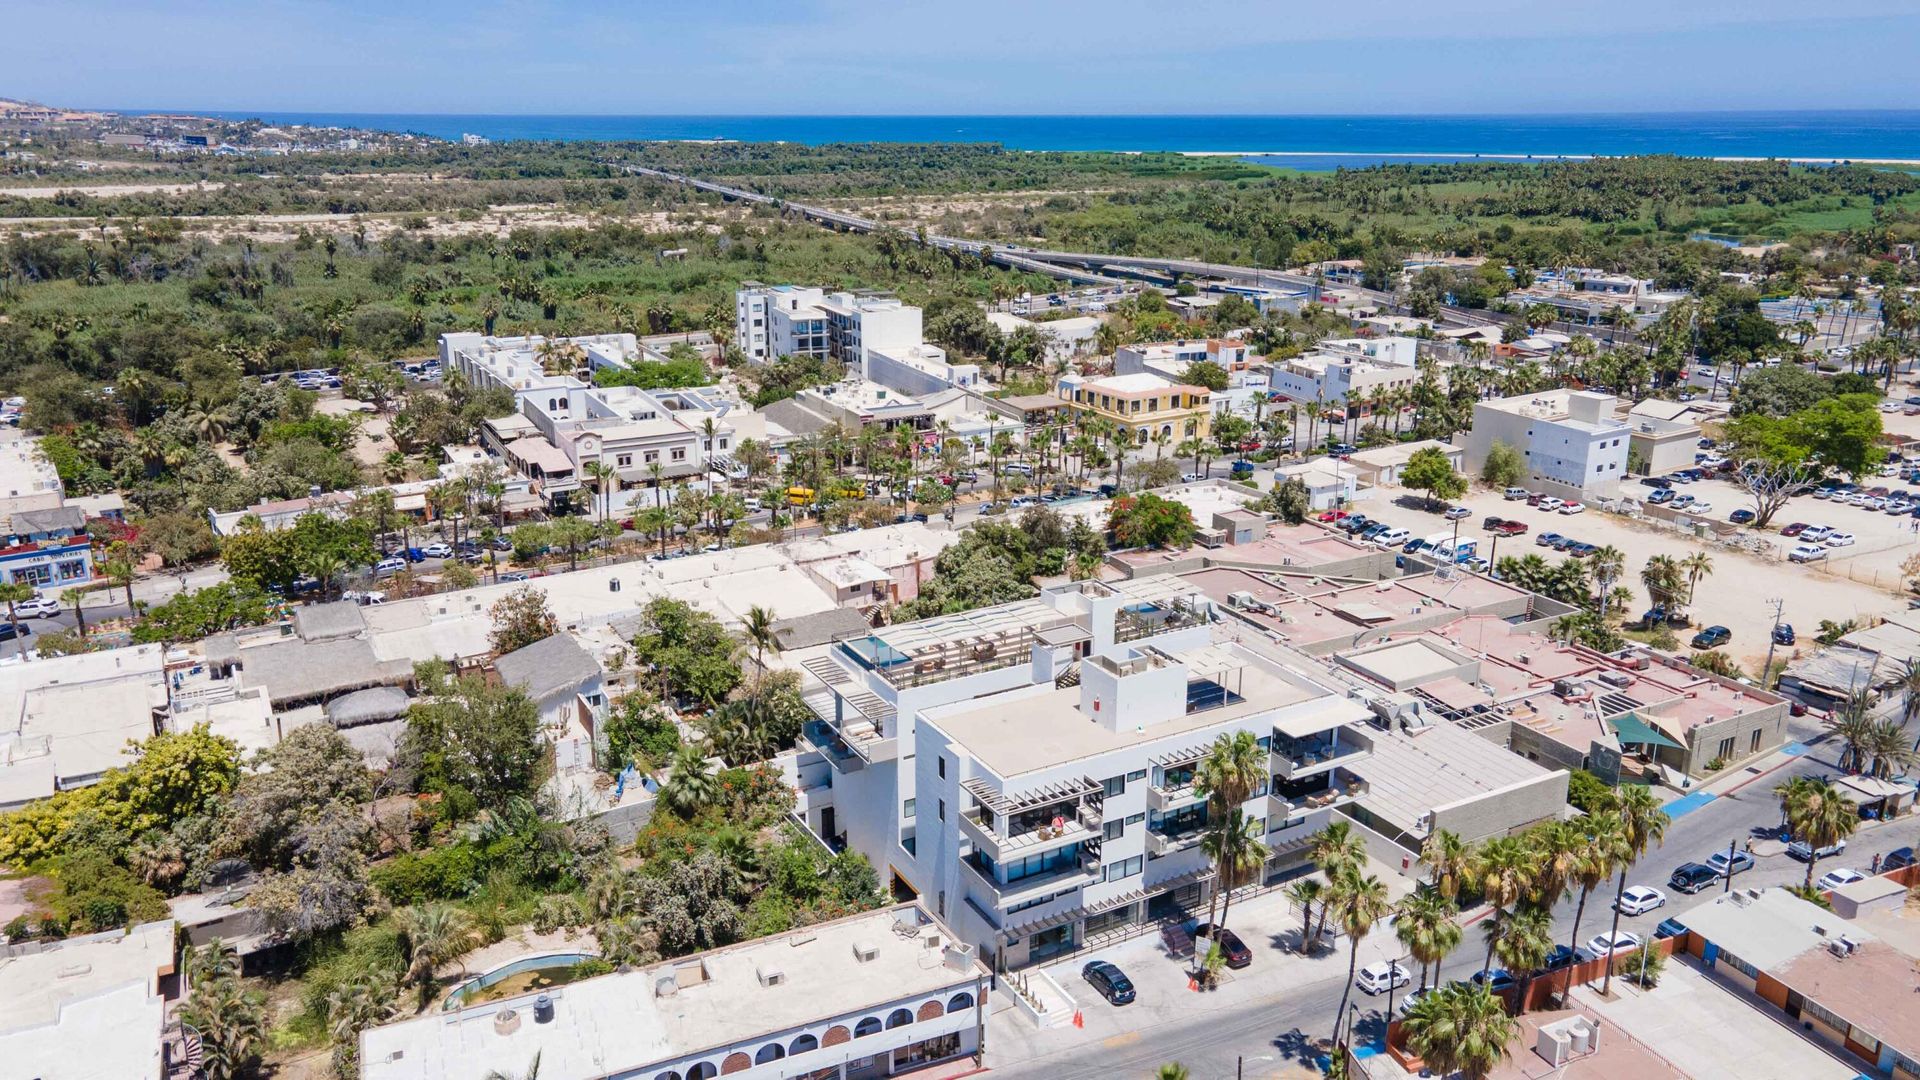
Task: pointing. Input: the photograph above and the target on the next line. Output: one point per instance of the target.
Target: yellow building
(1147, 404)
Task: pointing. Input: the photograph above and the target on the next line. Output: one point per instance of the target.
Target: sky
(1046, 57)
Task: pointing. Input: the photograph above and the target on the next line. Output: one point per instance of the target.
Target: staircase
(1069, 677)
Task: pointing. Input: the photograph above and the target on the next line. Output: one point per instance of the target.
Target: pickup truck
(1504, 526)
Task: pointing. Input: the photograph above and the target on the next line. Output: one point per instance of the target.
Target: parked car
(1640, 899)
(1238, 955)
(1455, 513)
(1511, 528)
(1494, 979)
(39, 607)
(1549, 503)
(1515, 493)
(1783, 634)
(1805, 553)
(1611, 942)
(1741, 517)
(1804, 851)
(1413, 998)
(1794, 529)
(1712, 637)
(1110, 981)
(515, 575)
(1700, 506)
(1726, 865)
(1664, 495)
(1477, 564)
(1835, 878)
(1378, 978)
(1547, 539)
(1573, 508)
(1692, 877)
(1668, 928)
(1838, 540)
(1192, 477)
(1813, 534)
(1560, 957)
(438, 551)
(1655, 482)
(389, 566)
(8, 631)
(1897, 858)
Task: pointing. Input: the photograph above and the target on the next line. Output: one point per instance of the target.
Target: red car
(1794, 529)
(1333, 515)
(1509, 528)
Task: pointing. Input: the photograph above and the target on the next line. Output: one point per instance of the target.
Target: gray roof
(47, 521)
(795, 417)
(221, 650)
(296, 670)
(1838, 670)
(369, 706)
(342, 618)
(547, 667)
(803, 631)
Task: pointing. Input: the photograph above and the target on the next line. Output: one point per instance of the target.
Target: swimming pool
(555, 967)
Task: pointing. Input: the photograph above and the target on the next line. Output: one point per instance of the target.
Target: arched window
(899, 1018)
(959, 1001)
(668, 1075)
(929, 1010)
(769, 1052)
(803, 1044)
(866, 1027)
(706, 1070)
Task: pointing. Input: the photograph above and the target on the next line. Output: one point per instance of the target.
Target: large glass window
(1046, 862)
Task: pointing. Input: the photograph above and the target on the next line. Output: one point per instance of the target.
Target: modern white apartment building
(1169, 359)
(1335, 378)
(1573, 444)
(1055, 815)
(771, 321)
(872, 995)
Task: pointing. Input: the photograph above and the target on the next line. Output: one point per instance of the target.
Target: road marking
(1122, 1039)
(1687, 804)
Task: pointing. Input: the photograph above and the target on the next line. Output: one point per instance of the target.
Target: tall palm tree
(16, 592)
(606, 480)
(1234, 844)
(1447, 858)
(1607, 564)
(1228, 777)
(1360, 902)
(1426, 928)
(432, 934)
(1460, 1028)
(1306, 892)
(1525, 941)
(1696, 566)
(1605, 847)
(1819, 817)
(1337, 847)
(758, 630)
(1887, 747)
(1504, 873)
(1641, 823)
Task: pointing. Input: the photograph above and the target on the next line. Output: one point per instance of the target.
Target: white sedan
(1611, 943)
(1839, 540)
(1640, 899)
(1833, 879)
(1572, 508)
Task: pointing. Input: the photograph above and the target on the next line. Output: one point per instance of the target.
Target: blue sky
(968, 57)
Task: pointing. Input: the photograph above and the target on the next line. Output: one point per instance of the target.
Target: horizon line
(127, 110)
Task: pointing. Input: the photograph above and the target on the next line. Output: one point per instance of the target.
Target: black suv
(1112, 983)
(1237, 953)
(1692, 877)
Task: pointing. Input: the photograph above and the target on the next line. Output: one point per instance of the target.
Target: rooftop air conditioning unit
(769, 975)
(1616, 678)
(865, 952)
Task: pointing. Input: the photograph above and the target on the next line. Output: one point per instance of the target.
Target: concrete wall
(1506, 810)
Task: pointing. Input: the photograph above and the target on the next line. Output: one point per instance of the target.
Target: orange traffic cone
(1079, 1021)
(1193, 984)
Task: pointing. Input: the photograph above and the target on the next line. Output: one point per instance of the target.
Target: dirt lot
(1736, 595)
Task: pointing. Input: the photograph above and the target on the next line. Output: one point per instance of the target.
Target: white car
(1191, 477)
(438, 551)
(1550, 504)
(1700, 506)
(1833, 879)
(1889, 406)
(1381, 977)
(389, 566)
(1813, 534)
(1801, 850)
(1839, 540)
(1456, 513)
(1573, 508)
(40, 607)
(1804, 553)
(1640, 899)
(1021, 502)
(1611, 943)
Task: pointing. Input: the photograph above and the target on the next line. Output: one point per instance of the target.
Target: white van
(1392, 538)
(1806, 553)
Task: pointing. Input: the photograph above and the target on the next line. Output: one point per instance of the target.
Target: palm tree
(1461, 1028)
(606, 480)
(1594, 863)
(1887, 746)
(1696, 566)
(1607, 564)
(1305, 893)
(16, 592)
(1819, 817)
(758, 630)
(1172, 1071)
(1426, 928)
(1909, 686)
(1504, 872)
(1228, 777)
(1448, 859)
(1641, 823)
(231, 1022)
(1233, 844)
(1855, 726)
(1524, 942)
(689, 787)
(432, 934)
(1359, 903)
(532, 1073)
(1336, 847)
(119, 568)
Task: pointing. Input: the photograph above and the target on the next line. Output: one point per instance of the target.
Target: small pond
(523, 976)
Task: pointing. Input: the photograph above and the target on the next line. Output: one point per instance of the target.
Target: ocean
(1313, 142)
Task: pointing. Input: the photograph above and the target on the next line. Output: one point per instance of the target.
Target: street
(1272, 1032)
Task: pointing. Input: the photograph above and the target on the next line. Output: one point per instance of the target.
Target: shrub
(414, 877)
(1642, 966)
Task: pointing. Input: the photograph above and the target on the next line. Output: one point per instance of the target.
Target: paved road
(1271, 1031)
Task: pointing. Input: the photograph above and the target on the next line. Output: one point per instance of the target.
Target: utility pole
(1773, 639)
(1728, 887)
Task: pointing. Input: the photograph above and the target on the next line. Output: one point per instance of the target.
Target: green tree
(1208, 374)
(1358, 902)
(1428, 470)
(687, 650)
(231, 1023)
(1426, 928)
(1819, 816)
(639, 733)
(477, 746)
(691, 787)
(1460, 1028)
(432, 935)
(1504, 467)
(1642, 823)
(520, 619)
(16, 592)
(1148, 520)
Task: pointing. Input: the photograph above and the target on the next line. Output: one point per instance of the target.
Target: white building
(772, 321)
(916, 369)
(1572, 443)
(1170, 359)
(1066, 338)
(1062, 813)
(88, 1008)
(871, 995)
(69, 718)
(1335, 378)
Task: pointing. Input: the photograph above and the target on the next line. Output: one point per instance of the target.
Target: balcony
(1316, 792)
(1298, 758)
(1163, 844)
(1141, 620)
(1172, 797)
(1084, 870)
(1080, 825)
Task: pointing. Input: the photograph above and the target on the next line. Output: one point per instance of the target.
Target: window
(942, 808)
(943, 766)
(679, 453)
(1046, 862)
(1726, 747)
(650, 456)
(1114, 785)
(906, 809)
(1135, 819)
(1808, 1008)
(1139, 774)
(622, 460)
(1125, 868)
(1745, 968)
(723, 444)
(1111, 830)
(1036, 901)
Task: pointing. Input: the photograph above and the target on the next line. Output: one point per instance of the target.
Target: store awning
(1632, 729)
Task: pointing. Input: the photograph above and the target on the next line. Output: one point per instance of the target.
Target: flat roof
(1873, 989)
(1138, 383)
(615, 1023)
(35, 986)
(1768, 928)
(1410, 773)
(1403, 663)
(1039, 727)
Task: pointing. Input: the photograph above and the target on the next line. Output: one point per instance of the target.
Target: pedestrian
(1876, 864)
(1749, 845)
